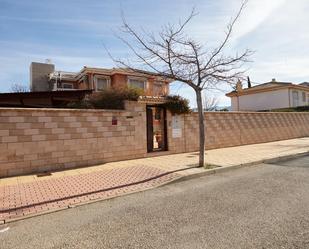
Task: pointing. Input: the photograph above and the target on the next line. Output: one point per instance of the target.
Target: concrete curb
(206, 172)
(6, 221)
(220, 169)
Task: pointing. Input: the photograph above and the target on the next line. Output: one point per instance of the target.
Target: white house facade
(267, 96)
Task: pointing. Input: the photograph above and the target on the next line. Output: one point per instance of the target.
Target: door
(156, 129)
(295, 98)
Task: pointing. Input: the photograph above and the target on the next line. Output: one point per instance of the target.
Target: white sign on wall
(176, 126)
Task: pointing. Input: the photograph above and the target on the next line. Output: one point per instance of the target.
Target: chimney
(39, 76)
(273, 80)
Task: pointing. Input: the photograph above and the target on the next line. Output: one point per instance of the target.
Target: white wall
(234, 104)
(262, 101)
(300, 101)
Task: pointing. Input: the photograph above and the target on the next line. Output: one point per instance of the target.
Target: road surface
(262, 206)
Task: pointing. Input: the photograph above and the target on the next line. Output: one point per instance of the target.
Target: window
(137, 83)
(158, 89)
(102, 83)
(67, 86)
(304, 96)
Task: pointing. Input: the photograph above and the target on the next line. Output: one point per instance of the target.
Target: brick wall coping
(195, 113)
(120, 110)
(4, 109)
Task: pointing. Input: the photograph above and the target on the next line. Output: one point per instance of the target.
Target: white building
(270, 95)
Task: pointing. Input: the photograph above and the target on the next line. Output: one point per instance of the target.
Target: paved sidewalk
(28, 195)
(23, 199)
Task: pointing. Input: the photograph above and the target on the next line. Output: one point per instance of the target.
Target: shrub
(82, 104)
(224, 110)
(108, 99)
(290, 109)
(177, 104)
(132, 93)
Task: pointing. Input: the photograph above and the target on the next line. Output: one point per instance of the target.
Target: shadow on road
(301, 162)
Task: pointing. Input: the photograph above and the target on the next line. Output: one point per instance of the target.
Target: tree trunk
(201, 127)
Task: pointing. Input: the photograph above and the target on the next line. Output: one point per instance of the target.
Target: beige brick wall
(36, 140)
(225, 129)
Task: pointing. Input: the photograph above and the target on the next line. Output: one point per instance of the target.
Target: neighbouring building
(44, 77)
(51, 88)
(268, 96)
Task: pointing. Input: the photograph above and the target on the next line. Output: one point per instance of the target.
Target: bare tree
(210, 103)
(19, 88)
(173, 54)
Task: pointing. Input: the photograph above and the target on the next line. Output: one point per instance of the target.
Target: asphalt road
(263, 206)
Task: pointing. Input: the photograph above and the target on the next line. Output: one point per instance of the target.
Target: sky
(73, 33)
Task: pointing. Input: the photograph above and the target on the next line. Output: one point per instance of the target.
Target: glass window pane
(157, 89)
(67, 86)
(137, 83)
(102, 84)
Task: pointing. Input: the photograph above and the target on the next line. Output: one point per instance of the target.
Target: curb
(6, 221)
(283, 158)
(218, 169)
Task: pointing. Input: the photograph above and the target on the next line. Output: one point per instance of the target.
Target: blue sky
(71, 33)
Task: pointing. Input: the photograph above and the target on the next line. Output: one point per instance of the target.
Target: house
(270, 95)
(42, 99)
(51, 88)
(44, 77)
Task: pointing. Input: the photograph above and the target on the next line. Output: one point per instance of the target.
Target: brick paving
(39, 196)
(26, 195)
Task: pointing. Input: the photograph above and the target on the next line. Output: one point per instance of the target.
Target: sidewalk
(31, 195)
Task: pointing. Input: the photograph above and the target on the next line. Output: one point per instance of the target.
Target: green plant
(132, 93)
(108, 99)
(177, 104)
(209, 166)
(82, 104)
(290, 109)
(224, 110)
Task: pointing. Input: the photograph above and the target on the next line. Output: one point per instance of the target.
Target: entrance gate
(156, 129)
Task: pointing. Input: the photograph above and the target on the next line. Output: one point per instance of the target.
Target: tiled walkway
(54, 193)
(24, 195)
